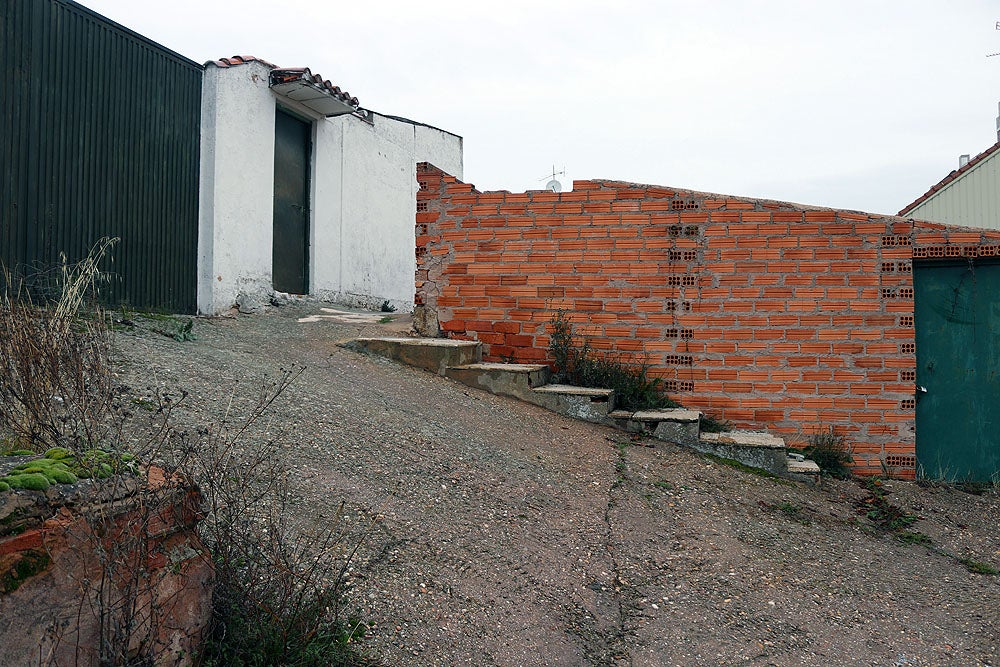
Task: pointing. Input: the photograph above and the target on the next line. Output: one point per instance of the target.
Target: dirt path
(507, 535)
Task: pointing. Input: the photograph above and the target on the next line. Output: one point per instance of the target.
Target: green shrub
(830, 452)
(581, 366)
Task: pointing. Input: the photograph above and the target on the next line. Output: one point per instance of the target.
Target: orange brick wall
(762, 313)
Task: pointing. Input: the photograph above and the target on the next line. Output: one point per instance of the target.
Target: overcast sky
(853, 104)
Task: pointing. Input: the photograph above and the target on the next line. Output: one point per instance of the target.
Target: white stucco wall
(375, 217)
(237, 182)
(363, 196)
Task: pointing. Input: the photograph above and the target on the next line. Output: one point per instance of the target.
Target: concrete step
(586, 403)
(461, 360)
(433, 354)
(671, 424)
(799, 465)
(758, 449)
(517, 380)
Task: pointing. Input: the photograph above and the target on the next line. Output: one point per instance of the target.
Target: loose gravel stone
(501, 534)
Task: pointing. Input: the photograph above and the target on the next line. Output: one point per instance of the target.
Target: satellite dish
(554, 185)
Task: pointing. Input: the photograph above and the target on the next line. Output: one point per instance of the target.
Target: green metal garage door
(957, 319)
(99, 137)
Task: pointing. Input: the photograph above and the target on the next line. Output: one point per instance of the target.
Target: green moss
(31, 481)
(64, 466)
(4, 486)
(36, 467)
(62, 477)
(31, 563)
(59, 453)
(56, 472)
(19, 452)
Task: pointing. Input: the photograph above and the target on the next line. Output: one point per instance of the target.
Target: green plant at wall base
(830, 452)
(561, 343)
(184, 331)
(387, 307)
(181, 329)
(580, 365)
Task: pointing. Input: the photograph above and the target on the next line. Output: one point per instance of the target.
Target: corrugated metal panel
(972, 200)
(99, 136)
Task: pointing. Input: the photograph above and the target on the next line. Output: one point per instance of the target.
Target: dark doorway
(290, 247)
(957, 309)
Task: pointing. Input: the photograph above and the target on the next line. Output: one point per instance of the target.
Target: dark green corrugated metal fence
(99, 136)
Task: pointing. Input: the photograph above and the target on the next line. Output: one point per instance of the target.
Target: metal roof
(301, 85)
(312, 91)
(950, 178)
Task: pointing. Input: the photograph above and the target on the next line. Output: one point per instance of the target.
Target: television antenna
(990, 55)
(554, 185)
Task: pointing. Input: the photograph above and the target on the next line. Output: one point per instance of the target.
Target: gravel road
(502, 534)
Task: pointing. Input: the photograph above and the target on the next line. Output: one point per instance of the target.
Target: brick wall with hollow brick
(763, 313)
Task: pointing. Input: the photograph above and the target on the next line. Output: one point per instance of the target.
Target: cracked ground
(497, 533)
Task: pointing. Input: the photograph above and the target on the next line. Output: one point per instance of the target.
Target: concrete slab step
(462, 361)
(586, 403)
(682, 415)
(433, 354)
(803, 467)
(758, 449)
(517, 380)
(747, 439)
(671, 424)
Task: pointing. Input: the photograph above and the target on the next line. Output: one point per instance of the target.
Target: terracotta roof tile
(240, 60)
(950, 178)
